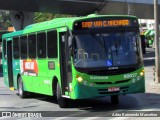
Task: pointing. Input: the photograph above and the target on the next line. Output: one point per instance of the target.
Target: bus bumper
(81, 91)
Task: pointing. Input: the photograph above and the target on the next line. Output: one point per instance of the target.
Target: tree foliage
(5, 20)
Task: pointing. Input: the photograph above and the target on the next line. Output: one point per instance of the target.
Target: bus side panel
(26, 74)
(28, 83)
(53, 72)
(41, 82)
(37, 75)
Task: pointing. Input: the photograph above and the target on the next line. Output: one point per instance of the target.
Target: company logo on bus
(29, 67)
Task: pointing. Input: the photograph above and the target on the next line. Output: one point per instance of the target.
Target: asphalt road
(101, 107)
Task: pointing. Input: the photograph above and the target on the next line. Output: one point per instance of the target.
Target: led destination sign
(98, 23)
(109, 23)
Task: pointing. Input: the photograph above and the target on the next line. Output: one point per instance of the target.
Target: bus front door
(9, 64)
(65, 67)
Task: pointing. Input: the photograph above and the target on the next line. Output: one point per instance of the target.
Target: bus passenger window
(16, 50)
(41, 44)
(32, 45)
(52, 44)
(23, 43)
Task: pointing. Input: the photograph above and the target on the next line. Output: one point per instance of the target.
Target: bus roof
(56, 23)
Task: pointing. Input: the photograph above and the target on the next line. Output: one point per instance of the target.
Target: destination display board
(105, 23)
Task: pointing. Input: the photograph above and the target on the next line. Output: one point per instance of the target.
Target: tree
(5, 20)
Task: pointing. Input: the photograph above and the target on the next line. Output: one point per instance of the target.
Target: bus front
(107, 58)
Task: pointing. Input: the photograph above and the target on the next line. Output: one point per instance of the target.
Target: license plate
(113, 89)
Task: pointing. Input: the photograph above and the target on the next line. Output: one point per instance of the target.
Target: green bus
(76, 58)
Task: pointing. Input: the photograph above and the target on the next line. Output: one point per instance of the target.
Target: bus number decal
(29, 67)
(130, 75)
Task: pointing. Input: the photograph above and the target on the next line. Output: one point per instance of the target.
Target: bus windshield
(112, 49)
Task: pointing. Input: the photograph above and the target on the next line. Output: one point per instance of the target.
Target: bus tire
(62, 102)
(21, 92)
(115, 99)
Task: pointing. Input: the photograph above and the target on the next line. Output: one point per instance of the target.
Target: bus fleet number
(130, 75)
(87, 24)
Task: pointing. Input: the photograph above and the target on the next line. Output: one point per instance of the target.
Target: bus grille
(111, 72)
(109, 83)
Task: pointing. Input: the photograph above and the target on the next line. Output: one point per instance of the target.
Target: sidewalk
(149, 62)
(151, 85)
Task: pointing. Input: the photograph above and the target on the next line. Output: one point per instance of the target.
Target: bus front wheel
(61, 101)
(114, 99)
(21, 92)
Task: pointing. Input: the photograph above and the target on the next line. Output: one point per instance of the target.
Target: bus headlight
(80, 79)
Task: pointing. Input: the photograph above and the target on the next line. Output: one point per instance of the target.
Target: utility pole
(157, 48)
